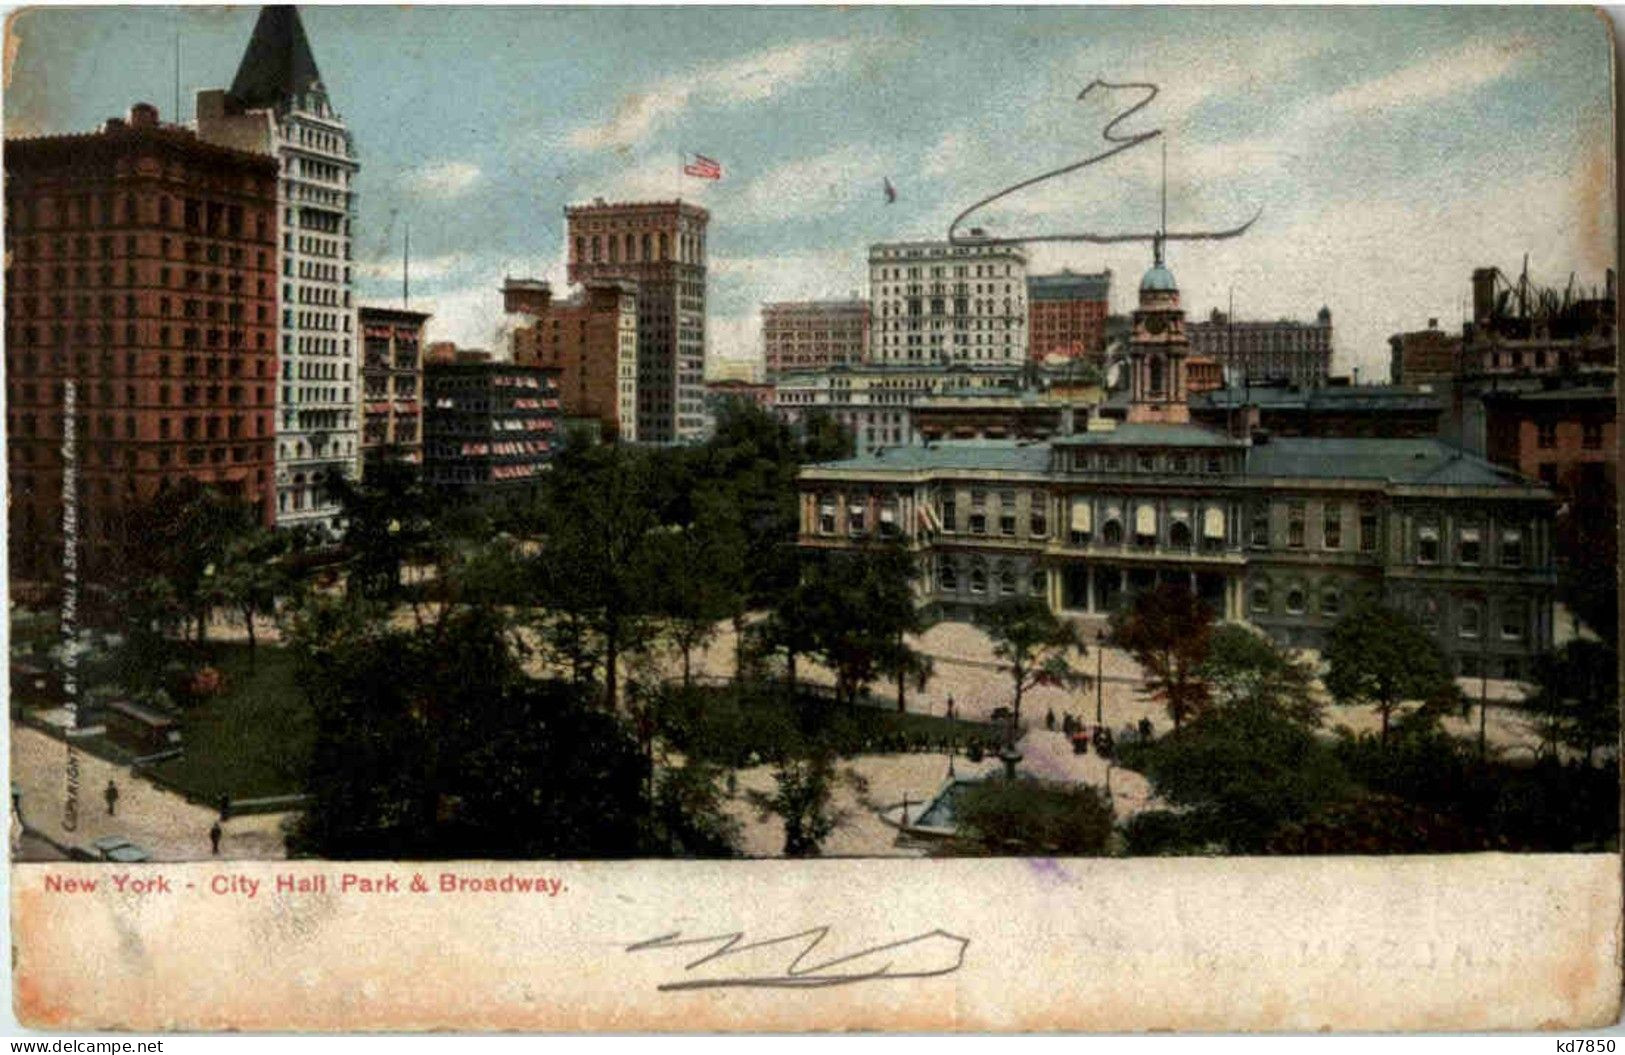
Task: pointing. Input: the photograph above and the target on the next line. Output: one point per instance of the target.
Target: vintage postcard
(810, 518)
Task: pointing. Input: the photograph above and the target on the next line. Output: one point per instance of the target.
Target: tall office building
(659, 245)
(278, 105)
(936, 302)
(140, 269)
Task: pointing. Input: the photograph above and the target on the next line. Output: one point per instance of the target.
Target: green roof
(1145, 434)
(1400, 461)
(1003, 455)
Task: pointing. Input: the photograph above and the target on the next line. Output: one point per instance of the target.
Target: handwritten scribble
(938, 952)
(1120, 143)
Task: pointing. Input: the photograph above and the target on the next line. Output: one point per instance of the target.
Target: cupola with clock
(1158, 348)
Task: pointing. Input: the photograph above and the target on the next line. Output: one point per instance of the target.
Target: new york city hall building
(1280, 533)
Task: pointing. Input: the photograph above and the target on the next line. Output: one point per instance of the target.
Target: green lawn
(251, 742)
(728, 726)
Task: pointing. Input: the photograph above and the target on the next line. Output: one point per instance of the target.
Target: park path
(164, 824)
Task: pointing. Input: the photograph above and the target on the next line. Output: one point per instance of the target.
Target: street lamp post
(1100, 669)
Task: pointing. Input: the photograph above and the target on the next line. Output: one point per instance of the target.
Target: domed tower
(1157, 350)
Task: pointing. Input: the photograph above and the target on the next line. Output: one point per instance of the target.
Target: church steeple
(278, 70)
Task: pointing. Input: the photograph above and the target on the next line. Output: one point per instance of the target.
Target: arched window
(1259, 600)
(1007, 580)
(1331, 602)
(1295, 600)
(978, 577)
(1155, 370)
(1179, 535)
(1111, 533)
(947, 575)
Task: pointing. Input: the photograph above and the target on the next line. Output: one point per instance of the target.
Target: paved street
(162, 823)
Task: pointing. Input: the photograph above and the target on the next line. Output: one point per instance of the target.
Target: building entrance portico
(1100, 589)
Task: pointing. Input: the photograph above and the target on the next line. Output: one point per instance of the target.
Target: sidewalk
(160, 822)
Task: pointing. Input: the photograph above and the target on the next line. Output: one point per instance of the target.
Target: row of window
(1004, 577)
(1590, 435)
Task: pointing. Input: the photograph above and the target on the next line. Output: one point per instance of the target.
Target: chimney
(144, 115)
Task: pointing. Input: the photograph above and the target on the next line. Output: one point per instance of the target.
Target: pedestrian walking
(214, 838)
(111, 795)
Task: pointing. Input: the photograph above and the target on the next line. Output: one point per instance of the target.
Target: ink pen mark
(1120, 143)
(939, 953)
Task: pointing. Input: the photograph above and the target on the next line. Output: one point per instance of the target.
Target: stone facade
(1087, 521)
(278, 105)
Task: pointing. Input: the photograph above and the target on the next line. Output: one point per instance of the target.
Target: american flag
(702, 167)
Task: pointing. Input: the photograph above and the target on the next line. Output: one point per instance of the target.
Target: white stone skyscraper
(278, 105)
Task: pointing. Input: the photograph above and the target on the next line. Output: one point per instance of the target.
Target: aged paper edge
(1470, 943)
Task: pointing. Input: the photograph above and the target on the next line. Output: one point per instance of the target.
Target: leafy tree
(434, 745)
(388, 518)
(253, 577)
(1576, 701)
(688, 815)
(1244, 666)
(593, 573)
(1587, 544)
(185, 532)
(1241, 774)
(858, 606)
(824, 439)
(698, 574)
(1035, 646)
(1031, 818)
(1379, 657)
(803, 798)
(1166, 630)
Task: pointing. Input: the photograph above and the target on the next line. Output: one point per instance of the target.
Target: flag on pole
(891, 192)
(701, 167)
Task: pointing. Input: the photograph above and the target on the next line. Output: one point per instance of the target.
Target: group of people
(1105, 742)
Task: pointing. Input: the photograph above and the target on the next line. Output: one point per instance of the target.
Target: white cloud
(818, 185)
(812, 275)
(1433, 78)
(423, 268)
(443, 179)
(751, 79)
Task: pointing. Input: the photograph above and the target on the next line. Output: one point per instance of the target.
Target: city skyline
(1460, 125)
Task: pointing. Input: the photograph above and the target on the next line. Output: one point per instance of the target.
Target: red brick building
(1424, 357)
(660, 245)
(1067, 315)
(591, 340)
(141, 265)
(392, 383)
(802, 335)
(1567, 438)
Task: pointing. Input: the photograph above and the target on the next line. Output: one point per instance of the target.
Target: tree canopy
(1166, 629)
(1035, 647)
(1380, 657)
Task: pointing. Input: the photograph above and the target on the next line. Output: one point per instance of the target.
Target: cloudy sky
(1391, 151)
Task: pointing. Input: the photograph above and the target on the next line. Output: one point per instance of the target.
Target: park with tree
(519, 678)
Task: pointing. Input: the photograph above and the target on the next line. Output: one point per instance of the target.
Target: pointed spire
(278, 66)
